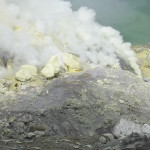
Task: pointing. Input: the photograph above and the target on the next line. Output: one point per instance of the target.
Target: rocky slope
(99, 104)
(100, 108)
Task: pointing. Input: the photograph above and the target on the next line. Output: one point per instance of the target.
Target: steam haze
(32, 31)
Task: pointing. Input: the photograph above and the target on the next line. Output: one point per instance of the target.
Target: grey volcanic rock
(95, 102)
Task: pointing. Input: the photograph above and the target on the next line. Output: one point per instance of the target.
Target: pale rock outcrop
(26, 72)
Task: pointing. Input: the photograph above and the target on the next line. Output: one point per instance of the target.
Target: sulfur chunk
(51, 68)
(72, 62)
(48, 71)
(26, 72)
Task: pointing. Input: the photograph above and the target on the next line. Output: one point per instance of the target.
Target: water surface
(130, 17)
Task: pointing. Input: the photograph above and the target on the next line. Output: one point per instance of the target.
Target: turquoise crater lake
(130, 17)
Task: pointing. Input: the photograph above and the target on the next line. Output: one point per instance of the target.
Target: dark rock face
(87, 104)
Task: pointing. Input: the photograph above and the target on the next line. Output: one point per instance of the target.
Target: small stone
(100, 82)
(14, 148)
(47, 92)
(39, 133)
(146, 128)
(108, 148)
(108, 136)
(103, 140)
(36, 148)
(42, 112)
(76, 146)
(12, 119)
(27, 118)
(121, 101)
(18, 142)
(101, 112)
(106, 81)
(89, 146)
(30, 135)
(7, 131)
(5, 124)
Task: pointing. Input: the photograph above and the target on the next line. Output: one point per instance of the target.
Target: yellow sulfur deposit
(17, 28)
(143, 55)
(55, 62)
(26, 72)
(9, 66)
(48, 71)
(72, 62)
(38, 35)
(51, 68)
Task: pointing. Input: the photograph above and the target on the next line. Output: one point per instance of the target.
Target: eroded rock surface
(86, 104)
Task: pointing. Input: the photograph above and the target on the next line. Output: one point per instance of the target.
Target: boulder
(48, 71)
(72, 62)
(51, 68)
(26, 72)
(55, 62)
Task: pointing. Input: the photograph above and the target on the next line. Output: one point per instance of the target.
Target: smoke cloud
(31, 31)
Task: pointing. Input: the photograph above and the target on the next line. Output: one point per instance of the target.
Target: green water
(130, 17)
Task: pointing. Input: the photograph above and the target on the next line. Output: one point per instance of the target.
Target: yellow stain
(16, 28)
(38, 35)
(72, 63)
(9, 66)
(37, 38)
(143, 54)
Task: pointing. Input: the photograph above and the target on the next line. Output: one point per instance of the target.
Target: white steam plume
(31, 31)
